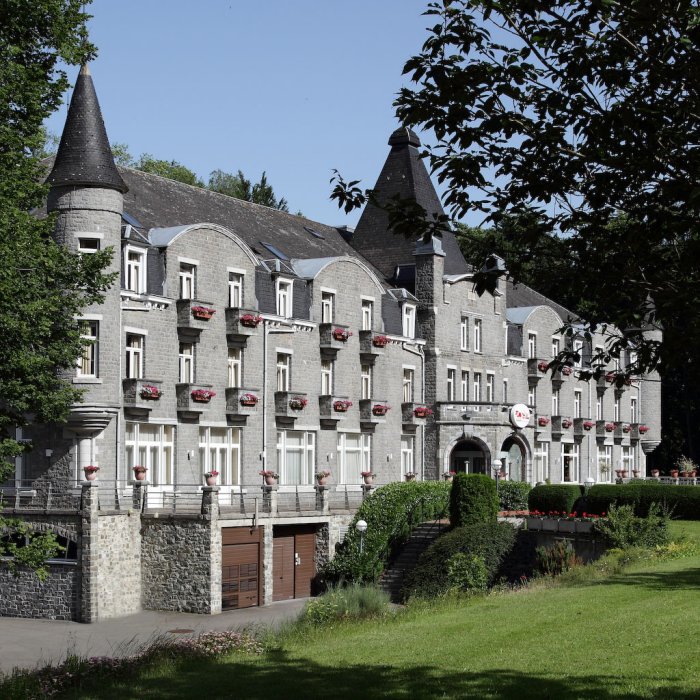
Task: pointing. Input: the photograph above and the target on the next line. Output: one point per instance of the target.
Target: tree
(240, 187)
(43, 287)
(167, 168)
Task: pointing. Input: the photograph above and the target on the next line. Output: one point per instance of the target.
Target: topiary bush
(431, 577)
(554, 497)
(473, 499)
(512, 495)
(682, 501)
(391, 512)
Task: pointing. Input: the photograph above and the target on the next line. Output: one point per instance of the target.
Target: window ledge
(87, 380)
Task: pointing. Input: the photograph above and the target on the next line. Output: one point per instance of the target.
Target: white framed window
(152, 446)
(477, 335)
(490, 383)
(284, 371)
(134, 356)
(556, 346)
(89, 245)
(634, 413)
(451, 383)
(408, 315)
(531, 345)
(541, 461)
(555, 402)
(569, 462)
(187, 279)
(235, 290)
(578, 347)
(220, 450)
(464, 334)
(532, 396)
(354, 450)
(408, 376)
(476, 393)
(605, 462)
(599, 408)
(464, 385)
(235, 367)
(578, 401)
(326, 377)
(135, 269)
(88, 362)
(616, 409)
(296, 457)
(628, 458)
(408, 445)
(186, 363)
(367, 314)
(366, 381)
(284, 298)
(505, 391)
(327, 307)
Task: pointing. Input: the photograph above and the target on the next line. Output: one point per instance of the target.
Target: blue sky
(295, 88)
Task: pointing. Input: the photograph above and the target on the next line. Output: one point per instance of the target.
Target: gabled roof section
(405, 174)
(84, 157)
(519, 295)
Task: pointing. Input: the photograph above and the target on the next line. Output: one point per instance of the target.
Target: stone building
(242, 339)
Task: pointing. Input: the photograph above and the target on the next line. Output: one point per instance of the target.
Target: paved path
(27, 643)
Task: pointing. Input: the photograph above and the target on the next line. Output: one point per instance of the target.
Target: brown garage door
(293, 561)
(240, 567)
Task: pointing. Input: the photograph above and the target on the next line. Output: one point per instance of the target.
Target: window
(490, 379)
(532, 396)
(555, 402)
(464, 386)
(605, 462)
(599, 408)
(407, 451)
(326, 377)
(477, 335)
(235, 290)
(616, 409)
(284, 367)
(578, 348)
(628, 458)
(220, 450)
(451, 383)
(634, 414)
(88, 245)
(505, 391)
(151, 446)
(541, 461)
(327, 307)
(134, 356)
(296, 457)
(556, 346)
(88, 362)
(135, 270)
(186, 363)
(284, 298)
(578, 399)
(409, 320)
(407, 385)
(367, 314)
(353, 456)
(235, 367)
(366, 381)
(187, 281)
(569, 462)
(464, 334)
(476, 394)
(531, 345)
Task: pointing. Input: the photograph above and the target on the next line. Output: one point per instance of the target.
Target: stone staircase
(407, 557)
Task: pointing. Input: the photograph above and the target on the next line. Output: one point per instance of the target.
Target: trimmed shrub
(554, 497)
(623, 529)
(473, 499)
(391, 512)
(682, 501)
(512, 495)
(490, 541)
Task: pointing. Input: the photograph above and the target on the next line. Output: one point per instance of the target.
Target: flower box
(534, 523)
(566, 371)
(609, 427)
(149, 392)
(626, 427)
(298, 403)
(422, 411)
(380, 341)
(341, 334)
(588, 424)
(566, 423)
(380, 409)
(202, 395)
(643, 429)
(567, 526)
(542, 366)
(250, 320)
(583, 526)
(203, 313)
(248, 399)
(341, 405)
(543, 421)
(550, 525)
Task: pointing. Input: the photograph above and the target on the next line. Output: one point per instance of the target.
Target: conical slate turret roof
(84, 157)
(405, 174)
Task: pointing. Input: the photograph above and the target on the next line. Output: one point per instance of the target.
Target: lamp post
(588, 483)
(361, 526)
(496, 465)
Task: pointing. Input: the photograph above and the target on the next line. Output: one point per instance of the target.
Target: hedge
(473, 499)
(558, 497)
(683, 501)
(391, 512)
(512, 495)
(492, 541)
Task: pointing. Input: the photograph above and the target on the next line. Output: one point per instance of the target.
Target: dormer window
(284, 298)
(187, 280)
(408, 316)
(135, 269)
(327, 307)
(235, 290)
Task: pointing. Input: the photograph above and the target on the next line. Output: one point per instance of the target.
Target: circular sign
(520, 415)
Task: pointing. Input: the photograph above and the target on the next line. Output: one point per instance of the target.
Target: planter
(140, 475)
(567, 526)
(636, 473)
(584, 527)
(322, 481)
(674, 473)
(368, 479)
(624, 473)
(534, 523)
(410, 477)
(90, 475)
(655, 473)
(211, 480)
(549, 525)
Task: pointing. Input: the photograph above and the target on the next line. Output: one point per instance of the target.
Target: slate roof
(518, 295)
(405, 174)
(84, 155)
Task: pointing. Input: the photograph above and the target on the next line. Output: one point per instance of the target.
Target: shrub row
(683, 501)
(512, 495)
(473, 499)
(391, 512)
(490, 541)
(558, 497)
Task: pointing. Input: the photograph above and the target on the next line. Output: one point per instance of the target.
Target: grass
(632, 634)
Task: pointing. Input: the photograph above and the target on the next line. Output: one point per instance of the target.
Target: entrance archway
(468, 456)
(513, 455)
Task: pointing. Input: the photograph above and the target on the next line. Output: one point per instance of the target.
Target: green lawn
(634, 635)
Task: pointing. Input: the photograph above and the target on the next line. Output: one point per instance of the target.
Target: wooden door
(240, 568)
(293, 561)
(283, 567)
(305, 566)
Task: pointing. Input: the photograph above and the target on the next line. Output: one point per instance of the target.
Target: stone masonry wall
(54, 599)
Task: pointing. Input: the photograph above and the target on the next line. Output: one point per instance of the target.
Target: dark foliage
(554, 497)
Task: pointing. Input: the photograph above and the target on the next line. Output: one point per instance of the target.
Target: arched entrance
(468, 456)
(513, 456)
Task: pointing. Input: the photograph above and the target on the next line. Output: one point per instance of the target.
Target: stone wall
(56, 598)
